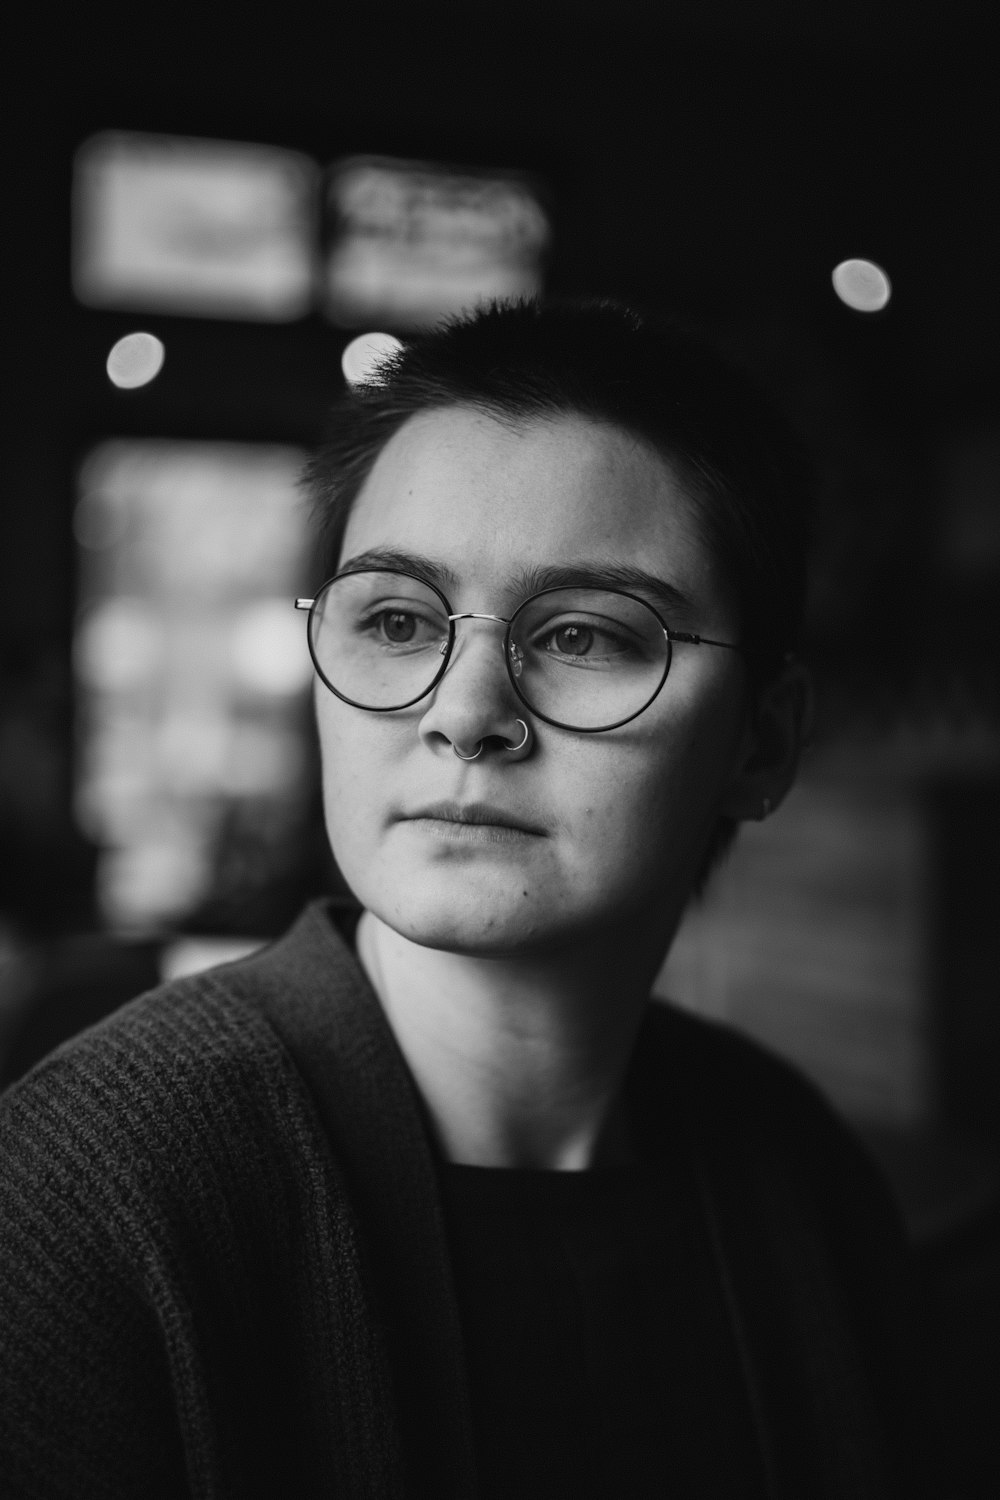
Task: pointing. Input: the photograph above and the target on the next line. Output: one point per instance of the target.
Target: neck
(520, 1063)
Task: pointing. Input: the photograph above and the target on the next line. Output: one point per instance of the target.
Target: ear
(780, 725)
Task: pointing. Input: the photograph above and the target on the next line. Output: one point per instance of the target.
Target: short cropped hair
(524, 361)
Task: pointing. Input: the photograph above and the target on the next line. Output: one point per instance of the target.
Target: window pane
(412, 242)
(191, 663)
(212, 228)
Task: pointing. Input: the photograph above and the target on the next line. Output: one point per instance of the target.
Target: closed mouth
(476, 814)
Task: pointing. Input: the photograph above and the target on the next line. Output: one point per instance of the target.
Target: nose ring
(513, 748)
(510, 749)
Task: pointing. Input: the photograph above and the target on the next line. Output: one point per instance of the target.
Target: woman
(427, 1198)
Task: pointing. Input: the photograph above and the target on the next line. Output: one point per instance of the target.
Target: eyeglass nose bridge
(469, 614)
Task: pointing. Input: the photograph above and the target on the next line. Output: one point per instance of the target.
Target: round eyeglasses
(581, 658)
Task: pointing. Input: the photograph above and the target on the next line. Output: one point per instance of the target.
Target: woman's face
(613, 826)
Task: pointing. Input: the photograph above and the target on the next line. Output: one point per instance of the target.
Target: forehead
(486, 498)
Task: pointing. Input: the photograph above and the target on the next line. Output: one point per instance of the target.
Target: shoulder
(191, 1093)
(211, 1040)
(771, 1143)
(726, 1068)
(741, 1098)
(189, 1034)
(724, 1065)
(184, 1098)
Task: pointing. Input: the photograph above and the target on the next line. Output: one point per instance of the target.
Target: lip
(473, 815)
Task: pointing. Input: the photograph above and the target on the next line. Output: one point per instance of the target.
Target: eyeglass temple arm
(701, 640)
(704, 640)
(304, 603)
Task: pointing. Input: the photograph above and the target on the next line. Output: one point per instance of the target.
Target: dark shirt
(601, 1361)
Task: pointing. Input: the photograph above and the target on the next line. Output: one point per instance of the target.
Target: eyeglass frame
(670, 635)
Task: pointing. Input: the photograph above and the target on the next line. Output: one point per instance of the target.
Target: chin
(473, 934)
(463, 921)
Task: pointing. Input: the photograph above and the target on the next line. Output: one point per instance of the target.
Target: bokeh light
(269, 652)
(862, 285)
(360, 358)
(119, 644)
(135, 360)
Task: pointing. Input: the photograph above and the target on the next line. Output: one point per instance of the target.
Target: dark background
(718, 159)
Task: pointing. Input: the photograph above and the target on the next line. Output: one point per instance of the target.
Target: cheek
(634, 813)
(351, 772)
(653, 797)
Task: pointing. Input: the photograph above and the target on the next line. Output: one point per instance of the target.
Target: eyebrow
(393, 559)
(604, 576)
(535, 579)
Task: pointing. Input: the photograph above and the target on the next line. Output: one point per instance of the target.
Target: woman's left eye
(573, 640)
(576, 639)
(398, 626)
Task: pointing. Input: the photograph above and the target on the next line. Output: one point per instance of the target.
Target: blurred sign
(191, 664)
(412, 242)
(210, 228)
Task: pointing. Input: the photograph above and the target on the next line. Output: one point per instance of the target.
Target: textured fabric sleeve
(85, 1398)
(183, 1304)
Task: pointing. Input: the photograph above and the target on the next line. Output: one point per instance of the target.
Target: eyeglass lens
(580, 657)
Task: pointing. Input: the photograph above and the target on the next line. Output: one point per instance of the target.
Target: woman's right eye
(397, 626)
(400, 627)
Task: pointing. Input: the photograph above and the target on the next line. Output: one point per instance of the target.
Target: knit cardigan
(224, 1272)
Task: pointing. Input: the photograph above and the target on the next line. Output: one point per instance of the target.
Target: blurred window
(811, 938)
(210, 228)
(411, 242)
(191, 664)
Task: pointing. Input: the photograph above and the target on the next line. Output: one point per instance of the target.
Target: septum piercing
(509, 748)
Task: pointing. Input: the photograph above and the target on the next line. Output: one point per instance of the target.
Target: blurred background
(205, 208)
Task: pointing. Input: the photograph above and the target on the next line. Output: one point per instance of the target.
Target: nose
(474, 703)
